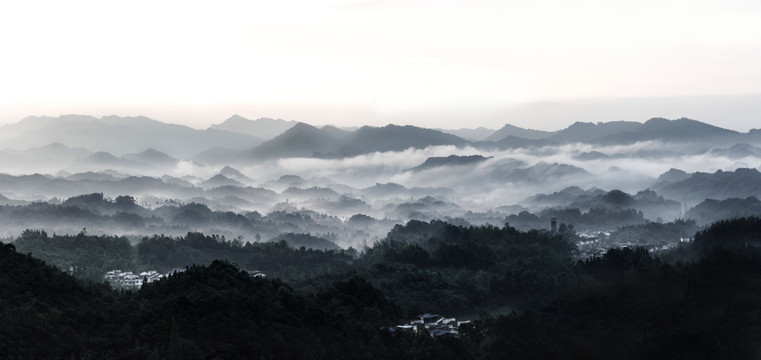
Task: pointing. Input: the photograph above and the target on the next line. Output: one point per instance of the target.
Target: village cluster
(130, 280)
(435, 325)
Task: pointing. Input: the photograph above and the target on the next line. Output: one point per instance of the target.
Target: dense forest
(526, 295)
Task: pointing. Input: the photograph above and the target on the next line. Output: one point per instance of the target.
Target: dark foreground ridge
(699, 301)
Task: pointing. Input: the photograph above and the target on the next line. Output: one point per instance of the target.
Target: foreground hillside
(699, 301)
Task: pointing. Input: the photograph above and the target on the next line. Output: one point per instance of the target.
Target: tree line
(700, 301)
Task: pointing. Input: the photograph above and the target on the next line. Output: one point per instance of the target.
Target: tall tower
(554, 225)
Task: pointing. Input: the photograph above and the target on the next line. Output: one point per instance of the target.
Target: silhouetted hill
(512, 130)
(106, 160)
(119, 135)
(738, 151)
(248, 193)
(153, 157)
(6, 201)
(334, 131)
(394, 138)
(38, 298)
(385, 190)
(220, 180)
(720, 185)
(539, 172)
(652, 205)
(302, 140)
(451, 160)
(262, 128)
(591, 155)
(360, 220)
(670, 177)
(98, 204)
(680, 130)
(514, 142)
(89, 175)
(477, 134)
(584, 132)
(289, 181)
(234, 174)
(307, 241)
(310, 193)
(710, 211)
(55, 152)
(569, 195)
(175, 180)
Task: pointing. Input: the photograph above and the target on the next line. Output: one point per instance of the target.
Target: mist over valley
(393, 174)
(289, 230)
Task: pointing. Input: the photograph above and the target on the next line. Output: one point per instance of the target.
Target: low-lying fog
(504, 177)
(476, 183)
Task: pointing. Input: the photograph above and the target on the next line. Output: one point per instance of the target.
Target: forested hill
(697, 301)
(207, 312)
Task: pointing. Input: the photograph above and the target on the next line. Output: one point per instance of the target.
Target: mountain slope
(741, 183)
(215, 155)
(153, 157)
(513, 142)
(302, 140)
(233, 173)
(395, 138)
(670, 130)
(584, 132)
(738, 151)
(119, 135)
(451, 160)
(477, 134)
(104, 159)
(512, 130)
(262, 128)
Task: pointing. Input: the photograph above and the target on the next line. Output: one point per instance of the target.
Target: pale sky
(445, 64)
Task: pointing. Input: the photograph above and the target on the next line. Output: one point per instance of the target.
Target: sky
(444, 64)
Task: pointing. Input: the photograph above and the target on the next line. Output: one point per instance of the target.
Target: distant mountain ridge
(477, 134)
(451, 160)
(302, 140)
(512, 130)
(153, 157)
(395, 138)
(262, 128)
(626, 132)
(232, 141)
(669, 130)
(118, 135)
(720, 185)
(305, 140)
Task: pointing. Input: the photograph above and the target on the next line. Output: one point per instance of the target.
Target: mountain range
(262, 128)
(119, 135)
(239, 140)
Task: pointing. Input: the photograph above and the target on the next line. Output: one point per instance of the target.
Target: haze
(444, 64)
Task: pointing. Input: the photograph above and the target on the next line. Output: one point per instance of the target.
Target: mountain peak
(301, 140)
(231, 172)
(152, 156)
(236, 117)
(512, 130)
(657, 121)
(302, 125)
(395, 138)
(262, 128)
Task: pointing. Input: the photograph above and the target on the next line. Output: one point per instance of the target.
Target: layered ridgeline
(351, 217)
(340, 170)
(533, 300)
(119, 135)
(265, 138)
